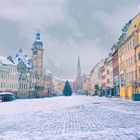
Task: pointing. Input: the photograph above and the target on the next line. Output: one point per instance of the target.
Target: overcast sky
(69, 28)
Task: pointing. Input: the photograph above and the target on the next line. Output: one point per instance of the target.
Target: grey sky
(69, 28)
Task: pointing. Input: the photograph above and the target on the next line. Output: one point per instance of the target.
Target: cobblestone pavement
(70, 118)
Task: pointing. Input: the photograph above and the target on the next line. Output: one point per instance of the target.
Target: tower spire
(78, 67)
(78, 82)
(38, 35)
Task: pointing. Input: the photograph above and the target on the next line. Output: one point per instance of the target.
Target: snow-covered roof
(4, 70)
(20, 56)
(56, 78)
(5, 61)
(5, 93)
(47, 72)
(70, 80)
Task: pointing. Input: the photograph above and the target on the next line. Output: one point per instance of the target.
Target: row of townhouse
(58, 85)
(119, 73)
(54, 86)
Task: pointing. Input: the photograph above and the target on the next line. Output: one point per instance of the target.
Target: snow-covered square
(70, 118)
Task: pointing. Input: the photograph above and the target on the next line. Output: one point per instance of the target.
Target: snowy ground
(70, 118)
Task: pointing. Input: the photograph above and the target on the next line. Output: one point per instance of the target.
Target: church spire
(78, 82)
(78, 67)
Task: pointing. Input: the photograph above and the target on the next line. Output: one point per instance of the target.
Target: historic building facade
(115, 65)
(109, 75)
(48, 83)
(37, 64)
(94, 77)
(26, 79)
(128, 59)
(8, 76)
(30, 71)
(87, 88)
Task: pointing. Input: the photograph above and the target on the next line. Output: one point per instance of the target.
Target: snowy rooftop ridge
(5, 61)
(5, 93)
(20, 56)
(70, 80)
(48, 72)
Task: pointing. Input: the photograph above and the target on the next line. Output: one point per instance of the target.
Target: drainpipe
(135, 46)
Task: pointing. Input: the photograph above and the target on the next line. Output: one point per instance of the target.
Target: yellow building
(58, 85)
(122, 70)
(137, 44)
(8, 76)
(129, 64)
(87, 85)
(127, 67)
(135, 31)
(94, 77)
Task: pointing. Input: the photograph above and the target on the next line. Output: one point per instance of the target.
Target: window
(130, 45)
(139, 56)
(139, 73)
(127, 76)
(131, 61)
(134, 59)
(132, 75)
(133, 43)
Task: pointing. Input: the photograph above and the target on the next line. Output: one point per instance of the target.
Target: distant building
(48, 87)
(37, 64)
(72, 84)
(78, 81)
(115, 65)
(103, 78)
(109, 75)
(87, 88)
(94, 77)
(58, 84)
(31, 74)
(8, 76)
(26, 80)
